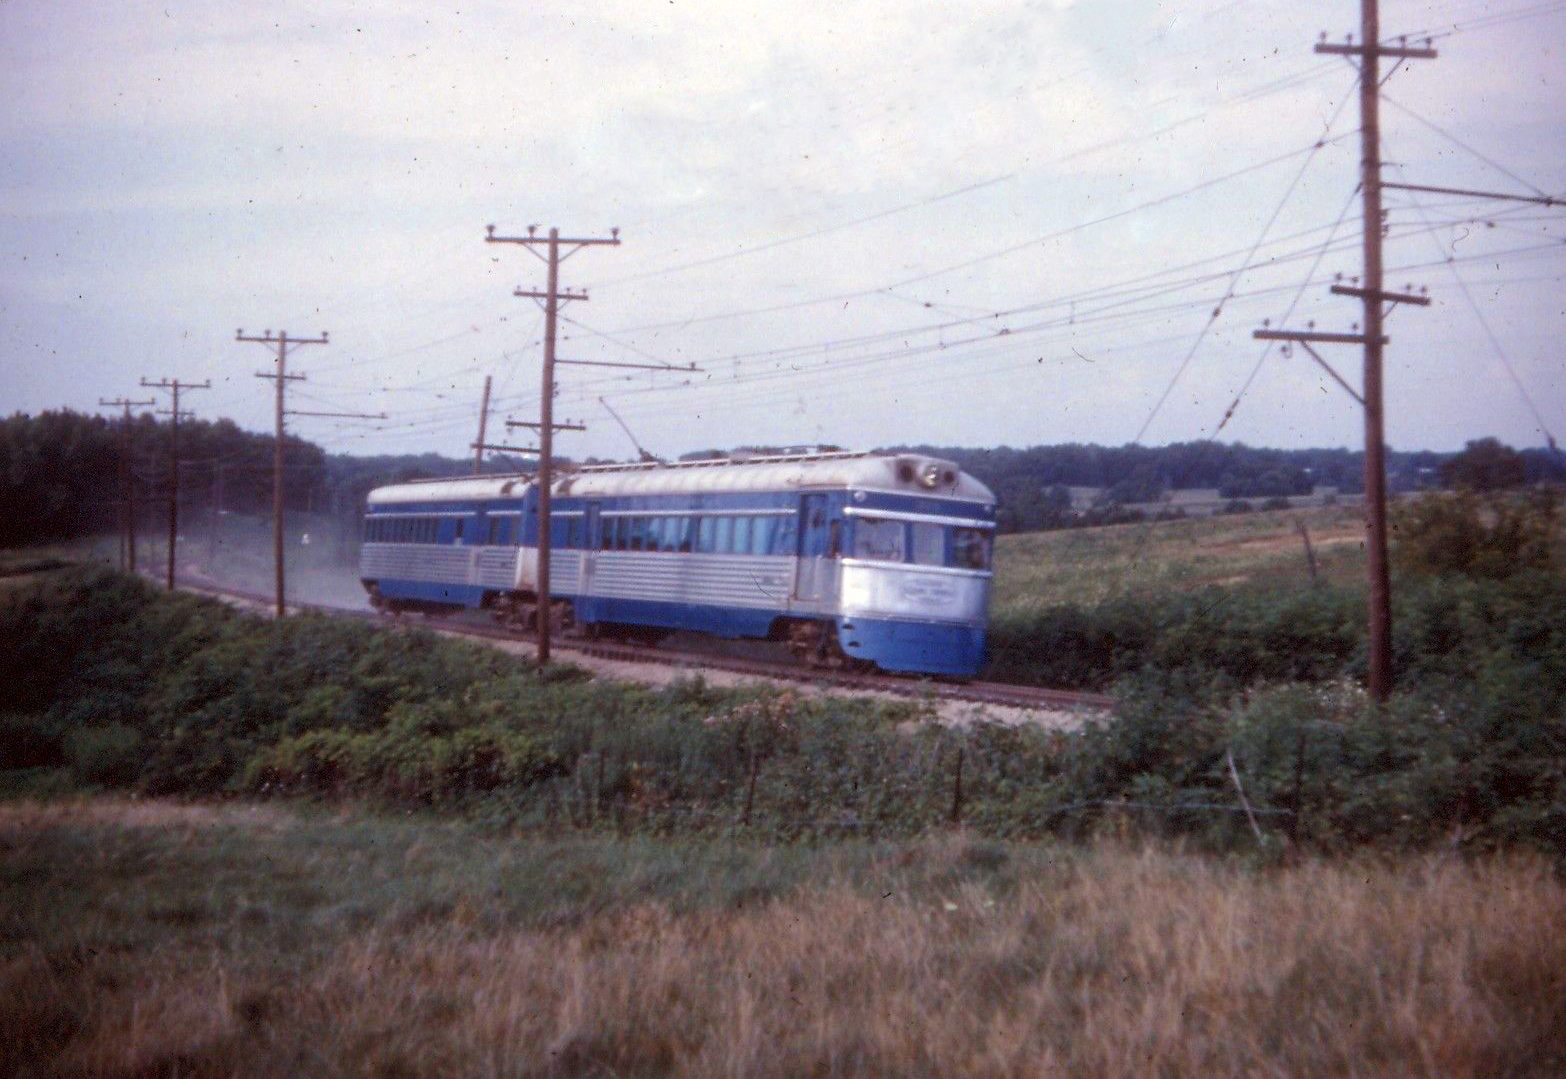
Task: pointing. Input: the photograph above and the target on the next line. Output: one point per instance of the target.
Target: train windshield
(924, 543)
(971, 548)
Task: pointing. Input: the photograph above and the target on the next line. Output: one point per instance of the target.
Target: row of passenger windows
(495, 531)
(874, 539)
(401, 529)
(720, 534)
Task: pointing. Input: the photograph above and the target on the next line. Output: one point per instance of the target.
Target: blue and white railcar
(875, 558)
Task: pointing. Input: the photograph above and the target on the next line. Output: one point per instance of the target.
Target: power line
(989, 256)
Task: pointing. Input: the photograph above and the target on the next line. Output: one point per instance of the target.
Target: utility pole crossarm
(537, 294)
(1313, 335)
(1397, 52)
(1417, 299)
(494, 447)
(554, 426)
(533, 238)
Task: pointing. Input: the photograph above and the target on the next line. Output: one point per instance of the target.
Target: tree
(1485, 465)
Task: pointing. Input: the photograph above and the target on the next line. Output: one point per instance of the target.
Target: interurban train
(852, 559)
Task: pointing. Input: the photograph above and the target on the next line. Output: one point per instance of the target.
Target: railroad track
(1030, 698)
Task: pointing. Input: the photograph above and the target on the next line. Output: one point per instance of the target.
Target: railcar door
(813, 576)
(591, 543)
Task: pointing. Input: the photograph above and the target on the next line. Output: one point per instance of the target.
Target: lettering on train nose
(927, 590)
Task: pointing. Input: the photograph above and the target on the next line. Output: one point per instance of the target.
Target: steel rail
(1005, 694)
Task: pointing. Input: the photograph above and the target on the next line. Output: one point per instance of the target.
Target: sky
(867, 223)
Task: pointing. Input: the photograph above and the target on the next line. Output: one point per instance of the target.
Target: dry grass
(1086, 566)
(948, 957)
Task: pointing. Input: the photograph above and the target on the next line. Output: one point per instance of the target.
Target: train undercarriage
(811, 642)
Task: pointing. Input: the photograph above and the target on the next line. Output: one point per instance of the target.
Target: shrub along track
(1000, 694)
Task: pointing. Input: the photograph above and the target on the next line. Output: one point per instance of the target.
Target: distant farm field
(1087, 566)
(155, 938)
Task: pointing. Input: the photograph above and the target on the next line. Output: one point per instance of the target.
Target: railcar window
(742, 526)
(786, 535)
(456, 535)
(687, 529)
(762, 530)
(638, 533)
(706, 534)
(970, 548)
(878, 540)
(929, 544)
(724, 543)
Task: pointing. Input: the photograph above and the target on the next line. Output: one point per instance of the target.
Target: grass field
(150, 938)
(1085, 566)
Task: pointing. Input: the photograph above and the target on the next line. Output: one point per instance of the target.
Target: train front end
(915, 573)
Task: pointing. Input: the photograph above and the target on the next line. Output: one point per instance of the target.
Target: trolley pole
(282, 343)
(552, 298)
(478, 447)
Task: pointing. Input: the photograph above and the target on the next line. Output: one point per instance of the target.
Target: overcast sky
(866, 222)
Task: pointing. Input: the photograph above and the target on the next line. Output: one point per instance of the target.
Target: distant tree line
(59, 473)
(1033, 484)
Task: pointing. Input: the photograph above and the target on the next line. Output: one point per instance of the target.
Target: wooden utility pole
(217, 514)
(1368, 52)
(552, 298)
(478, 447)
(127, 481)
(282, 343)
(174, 385)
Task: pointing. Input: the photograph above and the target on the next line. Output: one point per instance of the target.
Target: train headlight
(929, 474)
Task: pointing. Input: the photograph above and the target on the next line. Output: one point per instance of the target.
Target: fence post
(750, 789)
(956, 814)
(1310, 552)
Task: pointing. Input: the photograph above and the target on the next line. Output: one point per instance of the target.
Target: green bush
(1475, 535)
(411, 760)
(105, 756)
(165, 694)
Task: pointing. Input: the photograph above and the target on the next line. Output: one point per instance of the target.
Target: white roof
(894, 473)
(820, 472)
(454, 489)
